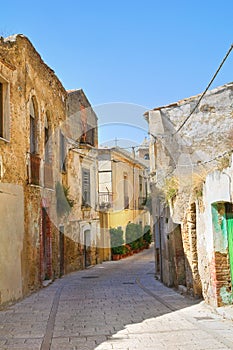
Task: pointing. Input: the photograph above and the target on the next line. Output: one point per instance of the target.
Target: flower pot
(116, 257)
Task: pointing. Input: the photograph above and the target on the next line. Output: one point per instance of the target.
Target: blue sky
(137, 54)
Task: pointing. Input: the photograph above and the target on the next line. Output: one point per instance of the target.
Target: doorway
(229, 218)
(46, 254)
(87, 248)
(61, 250)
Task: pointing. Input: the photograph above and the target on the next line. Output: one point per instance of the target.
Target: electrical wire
(207, 88)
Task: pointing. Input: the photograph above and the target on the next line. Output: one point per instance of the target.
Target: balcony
(34, 169)
(88, 138)
(105, 200)
(48, 175)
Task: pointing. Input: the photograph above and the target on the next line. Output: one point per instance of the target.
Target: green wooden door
(230, 242)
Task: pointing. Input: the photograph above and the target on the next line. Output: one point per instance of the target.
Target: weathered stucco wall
(212, 238)
(27, 78)
(187, 155)
(11, 241)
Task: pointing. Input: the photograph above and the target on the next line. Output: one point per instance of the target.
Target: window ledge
(33, 185)
(4, 140)
(48, 189)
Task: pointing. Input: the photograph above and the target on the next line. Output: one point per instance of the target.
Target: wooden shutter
(86, 197)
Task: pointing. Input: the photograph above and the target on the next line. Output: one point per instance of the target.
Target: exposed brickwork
(222, 277)
(189, 236)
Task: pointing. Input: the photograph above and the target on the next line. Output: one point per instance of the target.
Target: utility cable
(203, 94)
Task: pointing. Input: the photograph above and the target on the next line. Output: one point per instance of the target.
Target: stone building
(122, 191)
(33, 105)
(191, 172)
(42, 213)
(82, 180)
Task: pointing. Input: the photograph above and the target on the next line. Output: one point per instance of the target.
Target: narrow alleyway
(115, 305)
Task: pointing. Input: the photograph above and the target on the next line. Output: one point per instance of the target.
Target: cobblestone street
(115, 305)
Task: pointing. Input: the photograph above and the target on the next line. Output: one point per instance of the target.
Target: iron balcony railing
(105, 200)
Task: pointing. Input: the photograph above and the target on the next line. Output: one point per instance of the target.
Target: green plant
(148, 204)
(133, 232)
(116, 236)
(198, 179)
(170, 188)
(64, 202)
(223, 163)
(117, 250)
(147, 236)
(134, 245)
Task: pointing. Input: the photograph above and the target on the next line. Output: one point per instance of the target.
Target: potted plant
(147, 236)
(117, 241)
(117, 252)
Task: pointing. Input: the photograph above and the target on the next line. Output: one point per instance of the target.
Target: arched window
(146, 156)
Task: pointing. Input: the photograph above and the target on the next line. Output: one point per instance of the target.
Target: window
(4, 110)
(62, 152)
(126, 193)
(33, 120)
(34, 168)
(89, 136)
(146, 156)
(140, 186)
(48, 168)
(86, 187)
(47, 141)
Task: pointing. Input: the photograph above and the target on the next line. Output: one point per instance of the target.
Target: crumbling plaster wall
(189, 155)
(27, 75)
(212, 246)
(205, 136)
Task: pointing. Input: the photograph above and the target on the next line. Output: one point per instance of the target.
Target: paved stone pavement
(116, 305)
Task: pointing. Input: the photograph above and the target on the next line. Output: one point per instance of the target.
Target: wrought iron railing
(105, 200)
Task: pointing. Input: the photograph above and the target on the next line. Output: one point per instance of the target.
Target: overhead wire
(203, 94)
